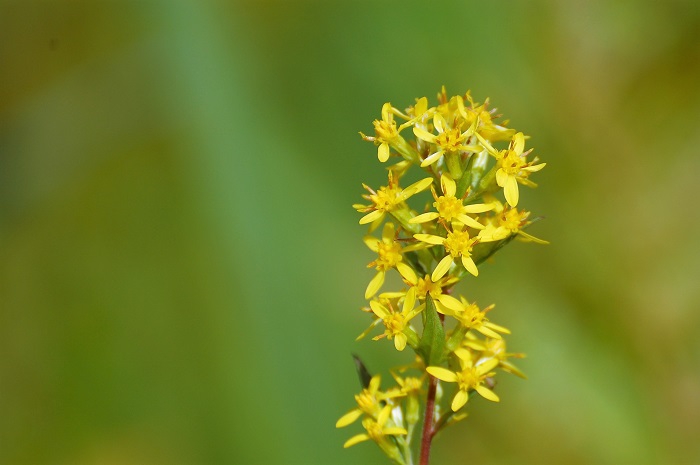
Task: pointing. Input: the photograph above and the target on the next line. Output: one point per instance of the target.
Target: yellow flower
(450, 208)
(512, 166)
(444, 303)
(397, 324)
(492, 348)
(389, 255)
(377, 430)
(388, 198)
(471, 377)
(369, 402)
(471, 317)
(457, 244)
(506, 222)
(386, 132)
(485, 125)
(449, 139)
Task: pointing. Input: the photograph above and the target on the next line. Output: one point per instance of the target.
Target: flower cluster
(472, 169)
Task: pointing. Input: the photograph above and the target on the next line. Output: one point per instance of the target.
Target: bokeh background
(181, 271)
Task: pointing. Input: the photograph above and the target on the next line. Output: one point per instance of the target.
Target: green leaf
(432, 343)
(362, 372)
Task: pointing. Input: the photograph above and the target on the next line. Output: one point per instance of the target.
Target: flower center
(468, 379)
(458, 243)
(385, 130)
(374, 430)
(450, 140)
(386, 198)
(394, 324)
(367, 402)
(471, 316)
(511, 162)
(449, 207)
(511, 220)
(389, 255)
(427, 286)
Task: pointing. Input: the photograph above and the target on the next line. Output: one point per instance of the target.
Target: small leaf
(432, 343)
(362, 372)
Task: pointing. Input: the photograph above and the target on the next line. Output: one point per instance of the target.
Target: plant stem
(428, 422)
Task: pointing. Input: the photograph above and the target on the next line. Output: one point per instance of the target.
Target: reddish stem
(428, 422)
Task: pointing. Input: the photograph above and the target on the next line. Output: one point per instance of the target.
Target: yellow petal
(469, 221)
(534, 168)
(424, 218)
(409, 301)
(348, 418)
(429, 238)
(355, 439)
(372, 216)
(383, 152)
(430, 159)
(400, 341)
(423, 134)
(394, 431)
(460, 399)
(442, 268)
(487, 393)
(450, 302)
(416, 187)
(371, 242)
(407, 272)
(496, 327)
(374, 284)
(531, 238)
(511, 191)
(519, 143)
(479, 207)
(379, 309)
(486, 366)
(448, 185)
(439, 123)
(443, 374)
(470, 265)
(501, 177)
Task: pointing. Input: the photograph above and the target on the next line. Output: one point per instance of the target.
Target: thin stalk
(428, 422)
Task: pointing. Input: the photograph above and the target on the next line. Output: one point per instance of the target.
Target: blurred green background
(181, 270)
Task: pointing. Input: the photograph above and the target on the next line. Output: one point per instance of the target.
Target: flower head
(470, 377)
(398, 324)
(450, 208)
(369, 401)
(388, 198)
(512, 166)
(377, 430)
(389, 255)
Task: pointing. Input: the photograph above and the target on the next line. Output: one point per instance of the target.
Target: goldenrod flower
(471, 377)
(484, 118)
(444, 303)
(492, 348)
(388, 198)
(449, 139)
(397, 324)
(512, 166)
(412, 388)
(369, 402)
(450, 208)
(389, 255)
(471, 316)
(387, 134)
(458, 243)
(377, 430)
(506, 222)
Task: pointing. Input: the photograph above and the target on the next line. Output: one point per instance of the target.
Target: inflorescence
(473, 213)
